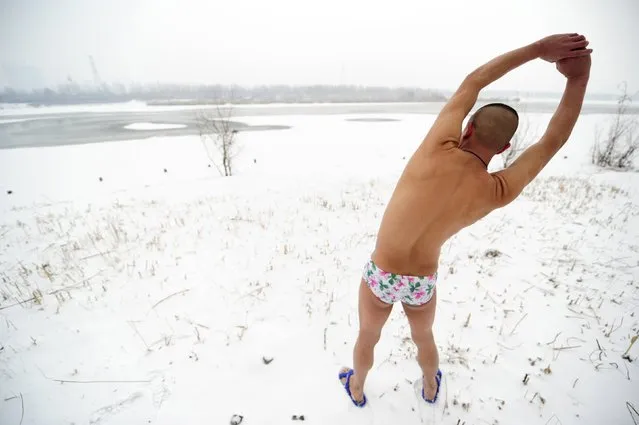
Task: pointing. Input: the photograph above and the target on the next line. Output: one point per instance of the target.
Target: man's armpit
(511, 181)
(505, 187)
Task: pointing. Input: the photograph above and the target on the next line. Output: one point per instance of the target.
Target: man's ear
(469, 130)
(504, 149)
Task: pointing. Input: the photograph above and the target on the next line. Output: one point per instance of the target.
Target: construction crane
(96, 76)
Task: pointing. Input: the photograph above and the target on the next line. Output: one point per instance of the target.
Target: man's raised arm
(512, 180)
(447, 126)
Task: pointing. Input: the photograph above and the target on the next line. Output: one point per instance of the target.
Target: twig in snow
(508, 348)
(568, 347)
(583, 315)
(467, 321)
(386, 360)
(242, 328)
(613, 364)
(625, 355)
(612, 328)
(517, 324)
(18, 303)
(137, 332)
(553, 341)
(600, 350)
(595, 313)
(75, 285)
(575, 383)
(633, 412)
(251, 293)
(191, 322)
(446, 401)
(574, 263)
(170, 296)
(22, 405)
(325, 329)
(558, 422)
(99, 254)
(330, 302)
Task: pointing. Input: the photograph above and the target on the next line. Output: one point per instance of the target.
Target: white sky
(397, 43)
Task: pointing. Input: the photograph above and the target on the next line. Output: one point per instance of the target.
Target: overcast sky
(397, 43)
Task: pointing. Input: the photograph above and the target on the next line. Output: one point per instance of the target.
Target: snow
(153, 295)
(10, 121)
(7, 109)
(152, 126)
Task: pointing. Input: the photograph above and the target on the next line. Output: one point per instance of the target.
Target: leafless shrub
(523, 138)
(219, 137)
(620, 146)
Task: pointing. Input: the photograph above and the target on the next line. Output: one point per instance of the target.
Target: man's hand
(573, 68)
(559, 46)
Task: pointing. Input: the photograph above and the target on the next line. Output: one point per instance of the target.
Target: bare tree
(219, 137)
(621, 145)
(521, 140)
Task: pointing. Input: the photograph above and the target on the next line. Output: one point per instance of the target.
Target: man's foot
(430, 389)
(349, 380)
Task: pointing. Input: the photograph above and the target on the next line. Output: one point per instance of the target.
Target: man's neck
(485, 159)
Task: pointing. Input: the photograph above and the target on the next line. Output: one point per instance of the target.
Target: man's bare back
(440, 192)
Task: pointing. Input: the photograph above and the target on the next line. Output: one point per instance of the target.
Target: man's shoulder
(433, 143)
(428, 157)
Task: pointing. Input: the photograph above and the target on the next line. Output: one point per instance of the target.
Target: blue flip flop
(348, 375)
(438, 379)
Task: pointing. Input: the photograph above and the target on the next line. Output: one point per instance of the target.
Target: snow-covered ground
(153, 291)
(10, 110)
(10, 121)
(152, 126)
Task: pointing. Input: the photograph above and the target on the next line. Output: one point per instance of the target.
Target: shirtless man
(446, 187)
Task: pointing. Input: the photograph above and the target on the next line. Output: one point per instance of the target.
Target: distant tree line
(168, 94)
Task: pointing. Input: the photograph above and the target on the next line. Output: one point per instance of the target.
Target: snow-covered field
(140, 287)
(152, 126)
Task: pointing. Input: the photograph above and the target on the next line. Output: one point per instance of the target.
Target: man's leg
(373, 313)
(421, 321)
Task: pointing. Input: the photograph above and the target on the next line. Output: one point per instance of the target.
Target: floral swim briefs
(391, 287)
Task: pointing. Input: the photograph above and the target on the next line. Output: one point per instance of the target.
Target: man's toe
(343, 371)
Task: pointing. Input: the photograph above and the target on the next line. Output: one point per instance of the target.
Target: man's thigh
(421, 318)
(373, 312)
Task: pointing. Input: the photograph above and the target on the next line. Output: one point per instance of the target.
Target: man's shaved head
(494, 125)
